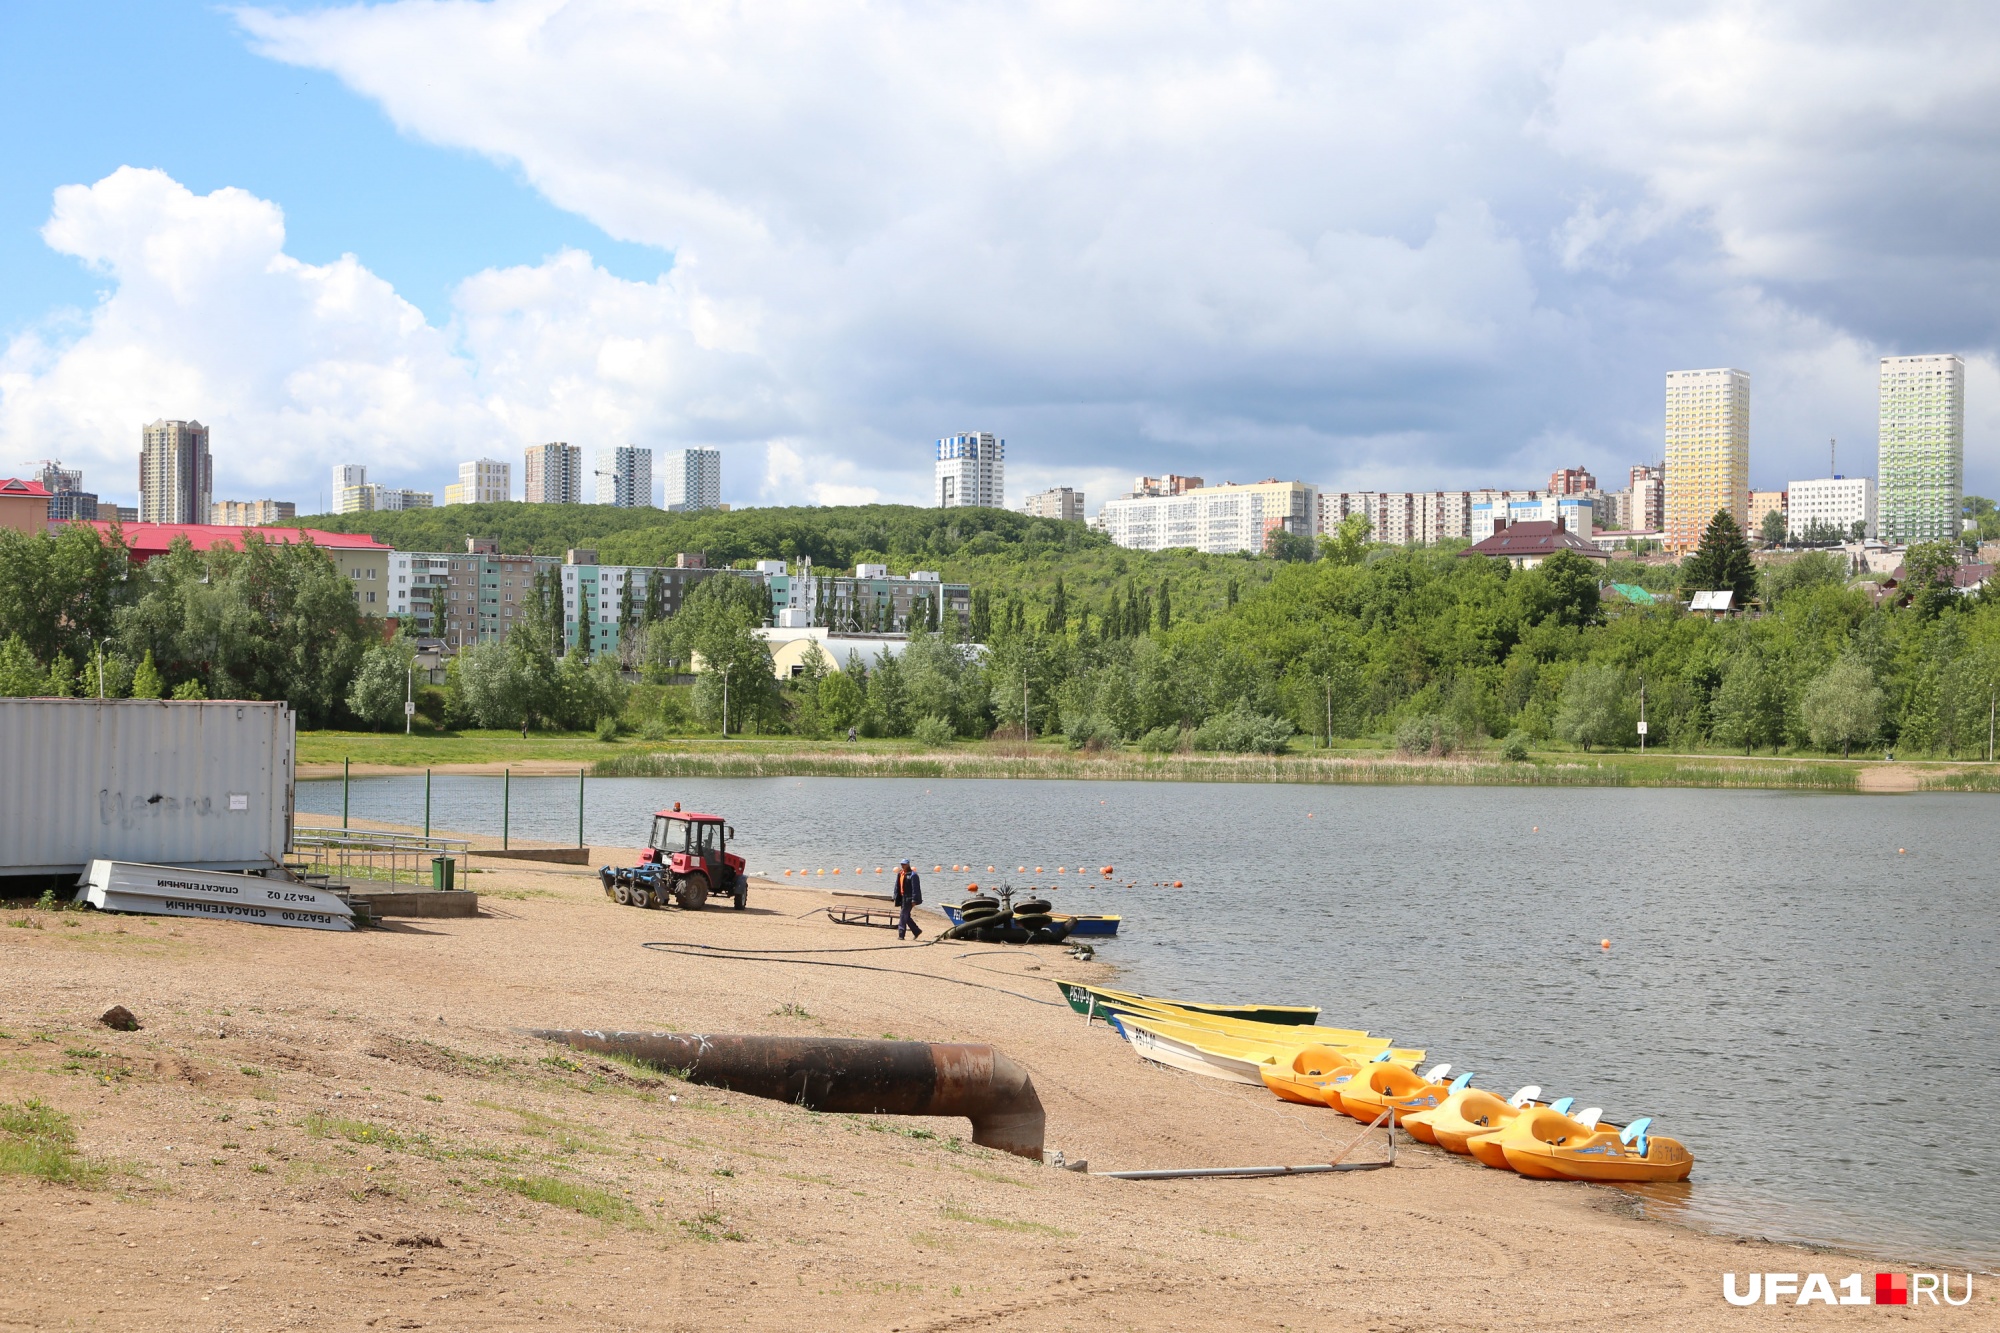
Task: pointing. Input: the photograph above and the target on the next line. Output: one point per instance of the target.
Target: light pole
(409, 695)
(1642, 715)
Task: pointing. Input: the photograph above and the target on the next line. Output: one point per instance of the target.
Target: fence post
(427, 803)
(506, 798)
(579, 807)
(343, 793)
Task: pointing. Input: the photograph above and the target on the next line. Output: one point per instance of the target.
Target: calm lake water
(1812, 1010)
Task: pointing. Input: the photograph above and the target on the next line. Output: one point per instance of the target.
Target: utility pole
(409, 695)
(1642, 715)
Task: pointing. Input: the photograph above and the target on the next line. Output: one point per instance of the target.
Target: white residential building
(691, 479)
(1217, 520)
(554, 474)
(971, 470)
(1921, 449)
(1576, 512)
(1056, 502)
(625, 477)
(484, 481)
(353, 493)
(1831, 502)
(418, 582)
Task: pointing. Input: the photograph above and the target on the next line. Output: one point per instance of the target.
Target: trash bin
(442, 872)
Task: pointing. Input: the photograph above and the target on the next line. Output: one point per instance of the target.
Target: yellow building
(1708, 451)
(1762, 503)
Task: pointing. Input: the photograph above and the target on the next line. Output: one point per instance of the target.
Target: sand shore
(345, 1131)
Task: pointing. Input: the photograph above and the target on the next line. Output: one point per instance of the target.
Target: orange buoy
(822, 870)
(878, 870)
(1022, 869)
(1899, 851)
(1107, 870)
(1038, 870)
(989, 870)
(972, 888)
(788, 872)
(836, 870)
(1604, 944)
(1177, 884)
(1059, 870)
(1536, 829)
(935, 869)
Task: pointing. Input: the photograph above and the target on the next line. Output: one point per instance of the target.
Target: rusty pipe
(841, 1074)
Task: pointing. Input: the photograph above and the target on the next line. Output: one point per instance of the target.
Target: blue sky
(1363, 247)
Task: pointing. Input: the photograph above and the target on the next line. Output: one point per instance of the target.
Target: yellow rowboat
(1558, 1148)
(1093, 1001)
(1394, 1088)
(1486, 1145)
(1221, 1055)
(1288, 1033)
(1467, 1112)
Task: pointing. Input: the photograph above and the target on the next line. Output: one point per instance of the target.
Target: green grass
(710, 1227)
(354, 1131)
(586, 1199)
(1003, 1223)
(38, 1140)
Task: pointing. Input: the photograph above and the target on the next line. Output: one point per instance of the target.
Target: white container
(124, 886)
(196, 783)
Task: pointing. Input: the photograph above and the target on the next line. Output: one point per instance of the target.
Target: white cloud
(296, 366)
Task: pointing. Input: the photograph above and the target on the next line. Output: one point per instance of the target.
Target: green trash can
(442, 873)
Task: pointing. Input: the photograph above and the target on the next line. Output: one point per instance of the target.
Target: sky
(1363, 246)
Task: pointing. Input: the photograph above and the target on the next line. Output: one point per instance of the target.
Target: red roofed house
(359, 556)
(24, 505)
(1525, 545)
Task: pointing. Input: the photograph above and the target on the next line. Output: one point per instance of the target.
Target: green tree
(1057, 621)
(376, 694)
(1721, 563)
(59, 592)
(1930, 573)
(1599, 707)
(1843, 706)
(1284, 544)
(1813, 569)
(840, 700)
(146, 682)
(1349, 544)
(1166, 605)
(21, 676)
(1772, 528)
(1749, 709)
(190, 689)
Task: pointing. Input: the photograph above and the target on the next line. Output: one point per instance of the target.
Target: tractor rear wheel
(742, 896)
(694, 892)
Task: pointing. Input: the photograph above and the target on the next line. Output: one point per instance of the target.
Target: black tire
(986, 915)
(1014, 934)
(1033, 922)
(694, 892)
(1034, 907)
(982, 902)
(623, 895)
(742, 896)
(987, 934)
(1060, 928)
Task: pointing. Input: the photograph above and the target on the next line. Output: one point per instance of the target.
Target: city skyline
(321, 262)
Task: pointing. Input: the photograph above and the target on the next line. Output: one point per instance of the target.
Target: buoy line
(761, 956)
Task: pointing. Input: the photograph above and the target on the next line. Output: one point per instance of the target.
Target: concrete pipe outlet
(840, 1074)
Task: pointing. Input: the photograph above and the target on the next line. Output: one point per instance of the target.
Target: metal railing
(362, 854)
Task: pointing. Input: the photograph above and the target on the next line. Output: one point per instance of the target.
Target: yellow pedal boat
(1559, 1148)
(1418, 1123)
(1487, 1145)
(1467, 1112)
(1394, 1088)
(1306, 1079)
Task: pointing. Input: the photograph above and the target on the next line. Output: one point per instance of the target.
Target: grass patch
(709, 1228)
(586, 1199)
(810, 1180)
(790, 1010)
(354, 1131)
(995, 1177)
(1003, 1223)
(38, 1140)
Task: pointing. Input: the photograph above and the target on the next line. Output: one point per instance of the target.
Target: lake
(1800, 987)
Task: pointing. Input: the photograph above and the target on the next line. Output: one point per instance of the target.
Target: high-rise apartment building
(1571, 481)
(68, 501)
(1649, 497)
(483, 481)
(353, 493)
(625, 477)
(176, 475)
(971, 470)
(554, 474)
(1708, 451)
(1062, 502)
(250, 513)
(1920, 467)
(691, 479)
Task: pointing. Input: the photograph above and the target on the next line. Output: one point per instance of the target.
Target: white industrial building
(1832, 502)
(971, 470)
(691, 479)
(625, 477)
(1217, 520)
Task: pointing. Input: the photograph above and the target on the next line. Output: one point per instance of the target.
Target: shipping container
(199, 783)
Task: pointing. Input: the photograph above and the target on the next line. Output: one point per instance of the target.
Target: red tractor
(686, 859)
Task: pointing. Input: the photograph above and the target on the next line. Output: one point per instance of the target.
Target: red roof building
(146, 540)
(24, 505)
(1525, 545)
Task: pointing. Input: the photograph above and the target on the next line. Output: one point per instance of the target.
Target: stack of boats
(1285, 1049)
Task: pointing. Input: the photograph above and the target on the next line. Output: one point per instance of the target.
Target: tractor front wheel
(742, 896)
(694, 892)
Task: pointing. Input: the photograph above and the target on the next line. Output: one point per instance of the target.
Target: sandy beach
(348, 1131)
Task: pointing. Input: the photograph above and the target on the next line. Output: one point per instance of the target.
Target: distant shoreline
(998, 760)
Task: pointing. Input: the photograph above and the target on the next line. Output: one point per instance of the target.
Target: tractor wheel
(694, 892)
(643, 896)
(742, 896)
(623, 893)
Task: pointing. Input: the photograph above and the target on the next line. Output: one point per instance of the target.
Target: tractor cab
(691, 852)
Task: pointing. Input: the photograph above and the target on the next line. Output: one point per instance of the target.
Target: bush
(1161, 740)
(1515, 747)
(607, 728)
(935, 732)
(1426, 734)
(1241, 731)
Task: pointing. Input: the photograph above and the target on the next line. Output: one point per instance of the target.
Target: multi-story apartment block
(1571, 481)
(1708, 451)
(625, 477)
(68, 501)
(971, 470)
(353, 493)
(1213, 519)
(176, 474)
(1649, 498)
(1921, 449)
(554, 474)
(1495, 510)
(482, 481)
(486, 593)
(1171, 484)
(870, 601)
(1759, 503)
(251, 513)
(602, 602)
(1828, 504)
(691, 479)
(1057, 502)
(419, 587)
